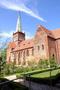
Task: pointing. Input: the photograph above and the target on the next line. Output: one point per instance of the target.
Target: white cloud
(19, 5)
(1, 44)
(5, 35)
(5, 38)
(28, 35)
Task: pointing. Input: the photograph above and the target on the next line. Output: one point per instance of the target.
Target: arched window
(12, 49)
(24, 53)
(33, 51)
(27, 53)
(19, 58)
(53, 56)
(42, 47)
(38, 48)
(24, 62)
(20, 53)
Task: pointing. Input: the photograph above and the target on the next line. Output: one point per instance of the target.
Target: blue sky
(33, 12)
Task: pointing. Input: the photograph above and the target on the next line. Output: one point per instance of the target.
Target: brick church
(45, 44)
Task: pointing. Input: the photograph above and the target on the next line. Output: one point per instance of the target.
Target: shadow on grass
(53, 80)
(11, 85)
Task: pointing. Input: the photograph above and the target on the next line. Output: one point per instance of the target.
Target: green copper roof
(18, 26)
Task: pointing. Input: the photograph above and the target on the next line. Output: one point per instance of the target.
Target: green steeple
(18, 26)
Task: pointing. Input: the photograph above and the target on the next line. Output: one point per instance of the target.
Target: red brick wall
(21, 56)
(18, 36)
(58, 50)
(8, 56)
(41, 39)
(52, 47)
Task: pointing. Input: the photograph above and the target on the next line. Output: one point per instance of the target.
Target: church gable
(40, 47)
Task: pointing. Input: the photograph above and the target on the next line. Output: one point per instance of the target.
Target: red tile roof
(30, 43)
(52, 33)
(48, 32)
(56, 33)
(12, 45)
(25, 44)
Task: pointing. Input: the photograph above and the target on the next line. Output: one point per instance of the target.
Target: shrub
(52, 62)
(43, 63)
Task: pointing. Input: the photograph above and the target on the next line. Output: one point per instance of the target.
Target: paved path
(11, 77)
(32, 85)
(36, 86)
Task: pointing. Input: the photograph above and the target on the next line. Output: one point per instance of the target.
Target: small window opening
(42, 47)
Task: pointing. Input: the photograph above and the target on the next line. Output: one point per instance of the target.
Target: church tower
(18, 36)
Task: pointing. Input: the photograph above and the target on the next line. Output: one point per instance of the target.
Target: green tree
(3, 54)
(46, 63)
(43, 63)
(2, 65)
(2, 62)
(40, 63)
(52, 62)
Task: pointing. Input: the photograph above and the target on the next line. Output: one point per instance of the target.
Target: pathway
(32, 85)
(11, 77)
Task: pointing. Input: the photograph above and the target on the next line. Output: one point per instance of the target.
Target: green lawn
(39, 75)
(29, 72)
(46, 74)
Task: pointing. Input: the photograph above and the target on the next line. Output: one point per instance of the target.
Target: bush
(52, 62)
(43, 63)
(10, 69)
(19, 69)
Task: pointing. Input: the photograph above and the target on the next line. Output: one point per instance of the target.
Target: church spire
(18, 26)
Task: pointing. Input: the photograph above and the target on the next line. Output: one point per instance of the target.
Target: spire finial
(18, 26)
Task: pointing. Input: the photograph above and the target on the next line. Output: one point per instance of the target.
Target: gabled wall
(52, 47)
(58, 50)
(41, 41)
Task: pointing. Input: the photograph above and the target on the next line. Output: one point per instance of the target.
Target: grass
(46, 74)
(27, 73)
(38, 73)
(43, 76)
